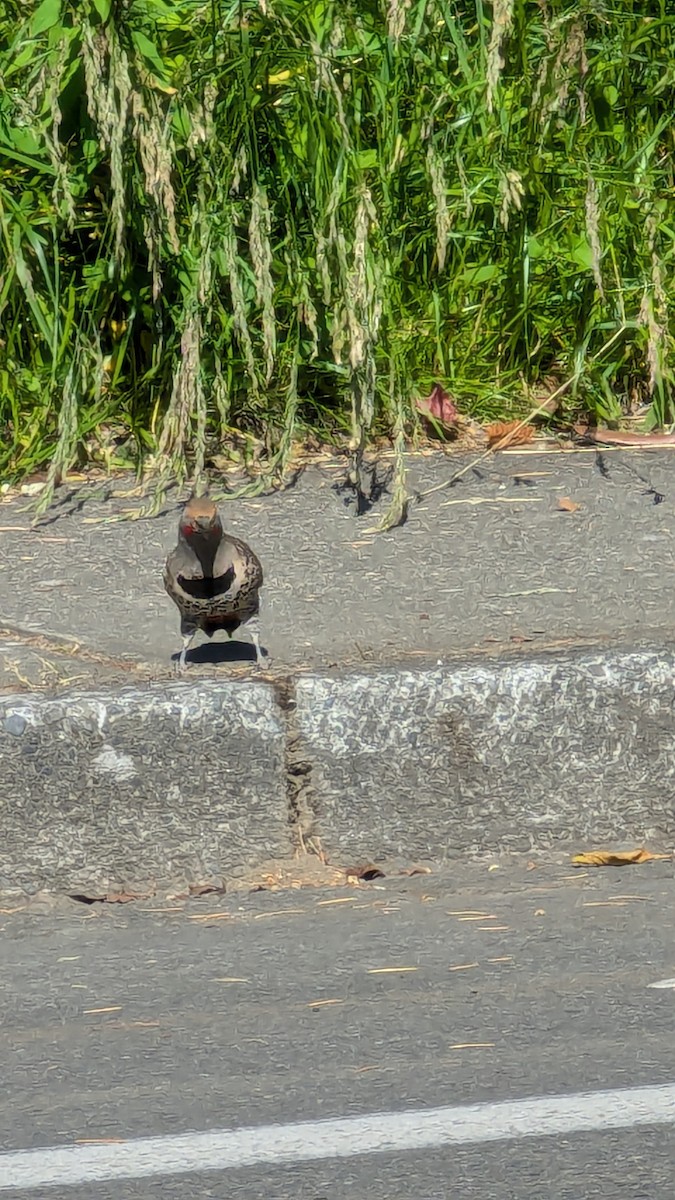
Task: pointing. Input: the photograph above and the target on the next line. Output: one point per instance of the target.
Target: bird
(213, 579)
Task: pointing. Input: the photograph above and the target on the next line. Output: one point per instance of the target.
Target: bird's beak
(207, 525)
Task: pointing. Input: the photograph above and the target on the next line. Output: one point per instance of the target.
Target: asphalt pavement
(526, 982)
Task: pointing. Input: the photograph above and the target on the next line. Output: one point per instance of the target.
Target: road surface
(435, 1036)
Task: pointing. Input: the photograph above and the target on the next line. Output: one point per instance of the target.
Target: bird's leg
(253, 626)
(187, 632)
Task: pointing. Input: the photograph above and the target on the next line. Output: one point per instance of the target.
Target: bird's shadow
(213, 653)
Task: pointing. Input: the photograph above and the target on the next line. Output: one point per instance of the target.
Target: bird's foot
(180, 665)
(254, 630)
(188, 638)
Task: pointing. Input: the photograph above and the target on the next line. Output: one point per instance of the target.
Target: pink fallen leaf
(438, 406)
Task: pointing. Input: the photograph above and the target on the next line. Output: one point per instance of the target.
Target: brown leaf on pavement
(566, 505)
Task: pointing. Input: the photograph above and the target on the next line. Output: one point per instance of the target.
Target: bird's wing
(247, 565)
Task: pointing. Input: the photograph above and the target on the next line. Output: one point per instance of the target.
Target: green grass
(240, 222)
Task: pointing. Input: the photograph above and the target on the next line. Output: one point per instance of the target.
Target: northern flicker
(212, 578)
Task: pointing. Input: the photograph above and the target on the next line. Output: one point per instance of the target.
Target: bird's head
(200, 519)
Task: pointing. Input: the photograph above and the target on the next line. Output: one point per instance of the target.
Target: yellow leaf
(390, 970)
(615, 858)
(472, 1046)
(99, 1142)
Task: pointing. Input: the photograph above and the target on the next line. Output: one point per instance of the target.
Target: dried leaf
(615, 858)
(472, 1046)
(277, 912)
(438, 406)
(200, 889)
(566, 505)
(99, 1142)
(125, 897)
(206, 889)
(478, 917)
(111, 897)
(367, 871)
(214, 916)
(415, 871)
(391, 970)
(621, 437)
(508, 433)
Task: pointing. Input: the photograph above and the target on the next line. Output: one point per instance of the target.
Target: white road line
(376, 1133)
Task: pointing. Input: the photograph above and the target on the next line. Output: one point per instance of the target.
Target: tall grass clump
(237, 221)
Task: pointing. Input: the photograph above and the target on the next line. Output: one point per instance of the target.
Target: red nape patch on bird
(187, 528)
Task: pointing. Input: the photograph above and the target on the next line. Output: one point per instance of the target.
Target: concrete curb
(572, 747)
(197, 780)
(185, 781)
